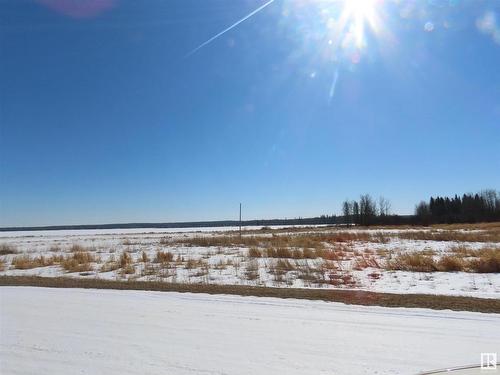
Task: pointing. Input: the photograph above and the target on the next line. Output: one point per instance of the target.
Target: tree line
(468, 208)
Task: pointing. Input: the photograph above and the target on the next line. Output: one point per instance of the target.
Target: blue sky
(104, 119)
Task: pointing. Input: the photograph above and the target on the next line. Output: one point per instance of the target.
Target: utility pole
(240, 220)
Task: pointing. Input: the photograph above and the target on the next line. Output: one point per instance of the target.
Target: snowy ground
(70, 331)
(231, 265)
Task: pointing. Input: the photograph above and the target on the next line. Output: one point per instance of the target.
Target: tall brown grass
(365, 261)
(478, 261)
(487, 261)
(25, 262)
(415, 262)
(79, 261)
(164, 257)
(309, 241)
(125, 259)
(450, 263)
(253, 252)
(451, 235)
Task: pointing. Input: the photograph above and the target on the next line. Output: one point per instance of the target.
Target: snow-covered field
(76, 331)
(360, 266)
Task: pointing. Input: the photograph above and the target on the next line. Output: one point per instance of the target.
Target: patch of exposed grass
(6, 249)
(487, 261)
(450, 263)
(356, 297)
(341, 278)
(414, 262)
(479, 261)
(77, 248)
(253, 252)
(279, 252)
(365, 261)
(125, 259)
(490, 235)
(25, 262)
(304, 241)
(163, 257)
(127, 242)
(79, 261)
(194, 263)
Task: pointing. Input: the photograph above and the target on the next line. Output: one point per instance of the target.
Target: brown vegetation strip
(344, 296)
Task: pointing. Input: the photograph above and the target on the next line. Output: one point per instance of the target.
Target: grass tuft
(7, 249)
(25, 262)
(415, 262)
(164, 257)
(79, 261)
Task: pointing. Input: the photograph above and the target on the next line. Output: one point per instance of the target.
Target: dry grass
(450, 263)
(165, 241)
(2, 265)
(110, 265)
(294, 253)
(144, 257)
(316, 238)
(163, 257)
(466, 260)
(284, 265)
(489, 235)
(194, 263)
(77, 248)
(357, 297)
(476, 226)
(365, 261)
(341, 278)
(252, 270)
(125, 259)
(7, 249)
(487, 261)
(414, 262)
(310, 241)
(253, 252)
(127, 270)
(25, 262)
(79, 261)
(309, 274)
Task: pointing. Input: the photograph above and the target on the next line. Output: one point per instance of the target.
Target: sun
(357, 13)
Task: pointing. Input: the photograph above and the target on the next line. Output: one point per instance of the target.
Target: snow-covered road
(74, 331)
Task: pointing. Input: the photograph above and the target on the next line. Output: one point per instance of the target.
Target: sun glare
(358, 13)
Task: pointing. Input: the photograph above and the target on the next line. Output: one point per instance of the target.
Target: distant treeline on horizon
(468, 208)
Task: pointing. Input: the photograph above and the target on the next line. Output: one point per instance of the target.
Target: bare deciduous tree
(367, 209)
(347, 212)
(384, 206)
